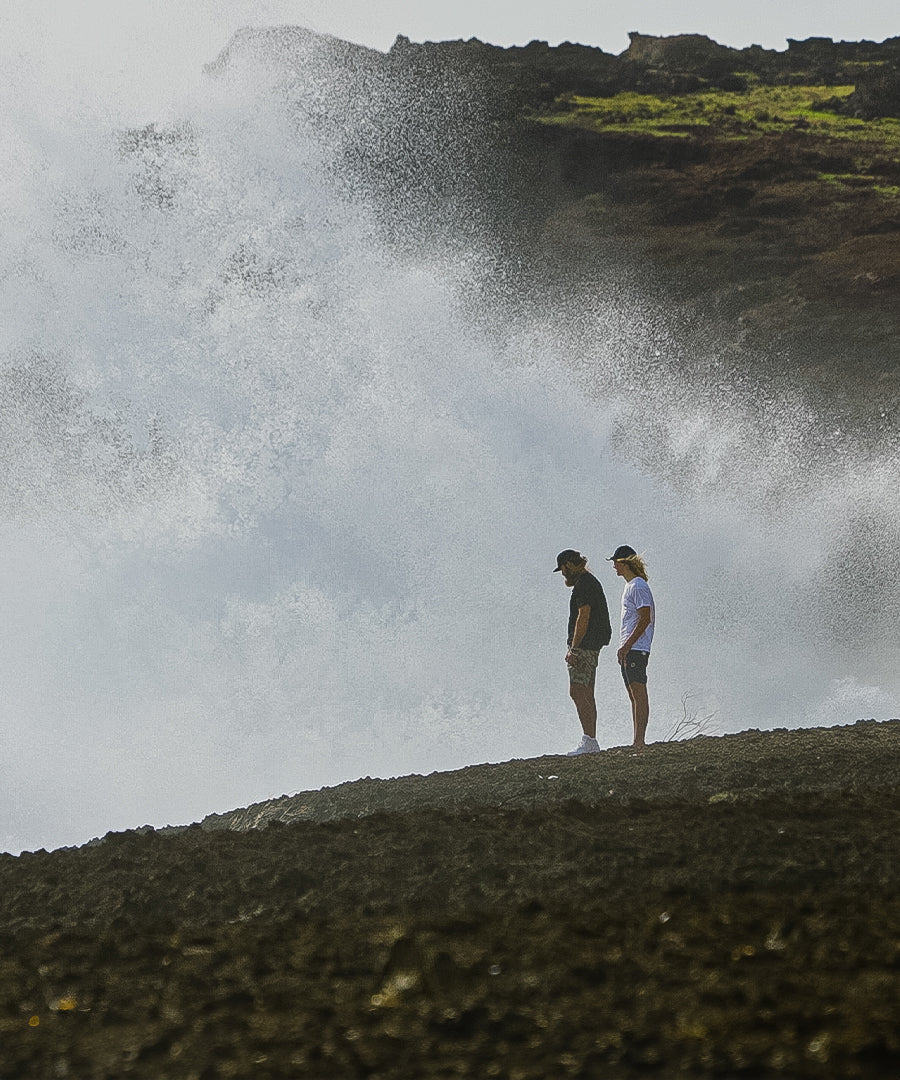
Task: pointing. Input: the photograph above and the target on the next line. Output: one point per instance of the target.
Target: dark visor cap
(567, 556)
(623, 551)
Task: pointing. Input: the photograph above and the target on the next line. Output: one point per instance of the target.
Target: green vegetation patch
(848, 179)
(860, 181)
(759, 110)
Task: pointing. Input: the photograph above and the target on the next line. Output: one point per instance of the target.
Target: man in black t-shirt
(589, 631)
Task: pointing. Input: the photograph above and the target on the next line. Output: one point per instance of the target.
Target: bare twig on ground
(690, 724)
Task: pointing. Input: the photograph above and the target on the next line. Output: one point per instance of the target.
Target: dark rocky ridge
(766, 266)
(834, 760)
(678, 64)
(715, 908)
(742, 231)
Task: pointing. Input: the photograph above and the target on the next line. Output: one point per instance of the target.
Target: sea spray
(282, 493)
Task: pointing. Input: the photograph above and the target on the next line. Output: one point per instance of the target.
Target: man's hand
(570, 659)
(622, 653)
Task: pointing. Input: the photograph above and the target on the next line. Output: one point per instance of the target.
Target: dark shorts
(634, 670)
(582, 672)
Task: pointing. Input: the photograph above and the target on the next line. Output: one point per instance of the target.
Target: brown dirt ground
(724, 907)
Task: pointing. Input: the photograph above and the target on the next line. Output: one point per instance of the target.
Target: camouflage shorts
(582, 671)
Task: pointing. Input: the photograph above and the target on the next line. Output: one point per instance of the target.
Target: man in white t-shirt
(638, 621)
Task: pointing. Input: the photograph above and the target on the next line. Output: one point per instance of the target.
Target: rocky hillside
(753, 194)
(761, 187)
(715, 908)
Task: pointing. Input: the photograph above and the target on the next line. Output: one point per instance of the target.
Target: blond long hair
(636, 565)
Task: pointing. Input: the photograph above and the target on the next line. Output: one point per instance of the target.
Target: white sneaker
(588, 746)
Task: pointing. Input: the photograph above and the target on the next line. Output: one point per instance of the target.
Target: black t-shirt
(588, 590)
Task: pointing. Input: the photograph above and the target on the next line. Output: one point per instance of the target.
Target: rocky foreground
(715, 908)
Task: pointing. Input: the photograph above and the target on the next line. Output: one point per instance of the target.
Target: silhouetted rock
(682, 52)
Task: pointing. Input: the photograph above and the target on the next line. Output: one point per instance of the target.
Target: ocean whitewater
(281, 488)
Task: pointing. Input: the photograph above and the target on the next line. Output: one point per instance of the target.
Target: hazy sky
(143, 54)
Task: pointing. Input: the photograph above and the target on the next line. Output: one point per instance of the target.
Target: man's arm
(643, 621)
(581, 625)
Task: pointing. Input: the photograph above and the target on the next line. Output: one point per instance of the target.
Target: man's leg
(583, 696)
(640, 712)
(634, 674)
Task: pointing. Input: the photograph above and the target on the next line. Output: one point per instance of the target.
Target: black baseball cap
(623, 551)
(567, 556)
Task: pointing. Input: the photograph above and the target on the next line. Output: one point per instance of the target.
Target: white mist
(278, 512)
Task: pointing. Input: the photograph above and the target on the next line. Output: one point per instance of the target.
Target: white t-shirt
(637, 595)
